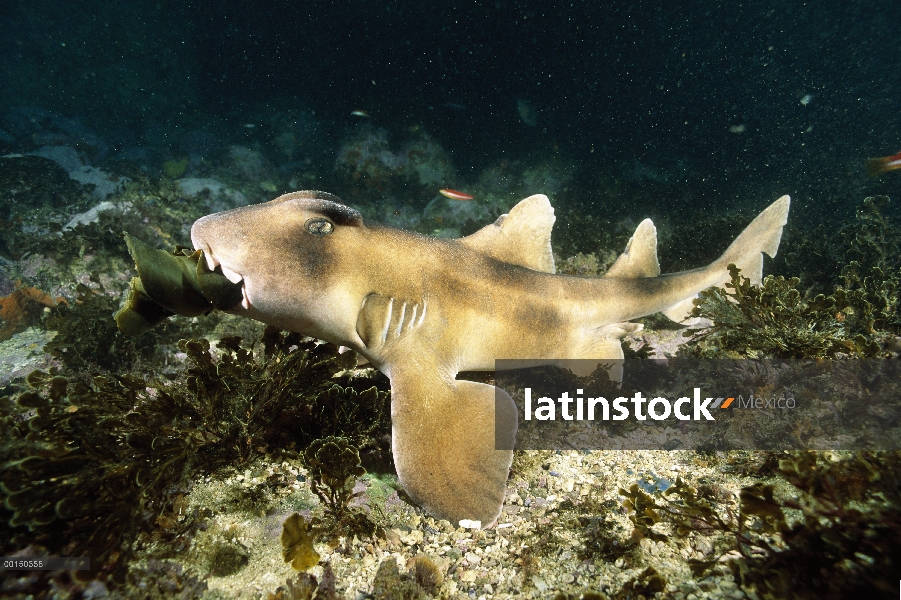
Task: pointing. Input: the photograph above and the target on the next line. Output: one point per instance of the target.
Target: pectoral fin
(443, 436)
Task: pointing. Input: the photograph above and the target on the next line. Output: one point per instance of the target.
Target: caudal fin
(746, 252)
(761, 236)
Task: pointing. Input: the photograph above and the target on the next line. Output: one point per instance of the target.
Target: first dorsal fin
(521, 237)
(639, 259)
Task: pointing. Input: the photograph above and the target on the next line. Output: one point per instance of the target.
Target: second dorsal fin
(521, 237)
(639, 259)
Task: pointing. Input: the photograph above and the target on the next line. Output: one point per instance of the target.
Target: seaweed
(169, 283)
(305, 586)
(64, 464)
(849, 306)
(774, 320)
(812, 255)
(297, 543)
(834, 532)
(868, 300)
(871, 277)
(602, 536)
(334, 466)
(427, 574)
(871, 239)
(821, 258)
(87, 338)
(88, 467)
(422, 580)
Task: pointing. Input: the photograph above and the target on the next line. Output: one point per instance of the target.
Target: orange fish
(877, 166)
(455, 195)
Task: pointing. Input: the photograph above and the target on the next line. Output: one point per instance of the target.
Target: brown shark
(422, 309)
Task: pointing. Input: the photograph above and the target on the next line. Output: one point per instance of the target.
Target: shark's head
(291, 256)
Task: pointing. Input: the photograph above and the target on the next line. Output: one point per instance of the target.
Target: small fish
(877, 166)
(455, 195)
(359, 113)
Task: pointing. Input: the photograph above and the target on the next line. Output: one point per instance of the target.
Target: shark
(423, 309)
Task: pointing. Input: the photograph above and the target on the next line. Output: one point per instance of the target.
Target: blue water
(704, 106)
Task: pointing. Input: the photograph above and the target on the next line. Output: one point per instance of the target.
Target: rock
(64, 156)
(105, 183)
(29, 183)
(46, 128)
(92, 215)
(23, 353)
(221, 196)
(540, 584)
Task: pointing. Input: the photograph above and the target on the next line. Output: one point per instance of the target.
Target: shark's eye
(319, 226)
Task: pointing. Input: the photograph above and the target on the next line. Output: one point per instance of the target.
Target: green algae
(844, 522)
(175, 168)
(87, 338)
(772, 320)
(90, 467)
(780, 319)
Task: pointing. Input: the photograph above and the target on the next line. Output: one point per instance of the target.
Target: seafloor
(189, 498)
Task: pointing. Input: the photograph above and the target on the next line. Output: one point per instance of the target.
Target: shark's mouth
(182, 282)
(214, 266)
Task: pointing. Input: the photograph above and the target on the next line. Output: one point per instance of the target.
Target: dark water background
(655, 84)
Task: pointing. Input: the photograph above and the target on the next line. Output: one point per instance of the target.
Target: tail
(746, 252)
(762, 235)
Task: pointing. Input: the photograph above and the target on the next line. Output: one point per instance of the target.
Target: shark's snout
(214, 263)
(199, 243)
